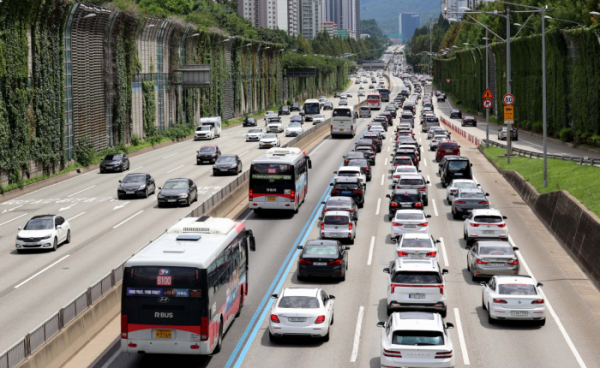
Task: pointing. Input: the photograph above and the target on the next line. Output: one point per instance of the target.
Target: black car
(404, 199)
(349, 187)
(336, 95)
(297, 119)
(375, 138)
(457, 168)
(353, 155)
(382, 120)
(177, 191)
(442, 162)
(327, 106)
(227, 164)
(402, 161)
(369, 153)
(469, 120)
(364, 165)
(455, 114)
(138, 185)
(389, 116)
(323, 258)
(392, 111)
(295, 106)
(207, 154)
(366, 142)
(114, 162)
(341, 204)
(250, 121)
(284, 110)
(408, 153)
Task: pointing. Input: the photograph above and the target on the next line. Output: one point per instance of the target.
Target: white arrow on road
(121, 206)
(66, 208)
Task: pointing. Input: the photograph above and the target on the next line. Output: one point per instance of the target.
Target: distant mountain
(386, 12)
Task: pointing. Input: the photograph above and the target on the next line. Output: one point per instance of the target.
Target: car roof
(403, 191)
(228, 155)
(402, 168)
(348, 168)
(416, 236)
(340, 199)
(322, 241)
(520, 279)
(486, 212)
(411, 176)
(347, 179)
(337, 213)
(300, 291)
(417, 321)
(43, 216)
(407, 264)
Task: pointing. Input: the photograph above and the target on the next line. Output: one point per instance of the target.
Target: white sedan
(254, 135)
(301, 312)
(318, 119)
(43, 232)
(482, 224)
(409, 221)
(293, 130)
(513, 298)
(268, 141)
(452, 189)
(275, 126)
(417, 246)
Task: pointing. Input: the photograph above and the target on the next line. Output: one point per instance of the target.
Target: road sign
(448, 80)
(487, 103)
(487, 94)
(509, 114)
(508, 99)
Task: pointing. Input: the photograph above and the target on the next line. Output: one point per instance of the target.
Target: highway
(105, 231)
(570, 337)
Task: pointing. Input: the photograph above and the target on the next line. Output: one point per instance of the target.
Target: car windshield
(304, 302)
(417, 338)
(294, 125)
(455, 165)
(449, 146)
(176, 184)
(329, 250)
(409, 216)
(516, 289)
(491, 250)
(208, 149)
(269, 136)
(346, 186)
(364, 108)
(336, 220)
(226, 159)
(254, 131)
(471, 196)
(488, 219)
(408, 277)
(343, 103)
(464, 184)
(134, 179)
(416, 243)
(205, 127)
(250, 119)
(45, 223)
(113, 156)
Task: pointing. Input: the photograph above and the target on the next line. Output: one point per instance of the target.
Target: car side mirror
(478, 185)
(274, 296)
(331, 184)
(539, 284)
(504, 217)
(335, 172)
(428, 216)
(120, 181)
(419, 170)
(20, 227)
(487, 194)
(388, 196)
(392, 155)
(331, 296)
(346, 248)
(499, 130)
(449, 325)
(300, 247)
(444, 271)
(458, 146)
(309, 164)
(159, 188)
(381, 324)
(58, 227)
(386, 270)
(428, 182)
(483, 283)
(515, 249)
(438, 241)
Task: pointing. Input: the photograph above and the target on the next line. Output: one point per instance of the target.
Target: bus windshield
(272, 178)
(373, 98)
(311, 108)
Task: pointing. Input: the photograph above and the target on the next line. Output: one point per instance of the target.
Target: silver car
(293, 130)
(467, 200)
(502, 134)
(489, 258)
(436, 140)
(452, 189)
(339, 225)
(414, 181)
(364, 112)
(401, 170)
(254, 135)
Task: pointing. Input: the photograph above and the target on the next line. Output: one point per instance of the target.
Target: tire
(444, 313)
(120, 196)
(102, 171)
(426, 202)
(491, 321)
(473, 277)
(219, 340)
(389, 311)
(454, 215)
(326, 337)
(343, 278)
(188, 202)
(352, 241)
(196, 197)
(332, 317)
(122, 168)
(55, 245)
(541, 323)
(68, 240)
(146, 193)
(240, 304)
(273, 338)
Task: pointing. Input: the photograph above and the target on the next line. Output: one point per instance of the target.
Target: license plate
(223, 169)
(341, 130)
(129, 192)
(172, 200)
(496, 264)
(410, 226)
(448, 150)
(346, 192)
(416, 256)
(336, 235)
(267, 144)
(297, 319)
(205, 162)
(271, 199)
(406, 205)
(520, 313)
(416, 296)
(488, 231)
(320, 263)
(458, 174)
(163, 334)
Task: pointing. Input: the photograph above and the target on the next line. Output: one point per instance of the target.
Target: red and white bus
(374, 101)
(183, 290)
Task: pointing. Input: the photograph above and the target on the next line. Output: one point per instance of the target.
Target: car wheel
(196, 197)
(443, 313)
(146, 193)
(351, 241)
(219, 340)
(426, 202)
(122, 167)
(491, 321)
(473, 276)
(389, 311)
(101, 171)
(332, 317)
(55, 245)
(273, 338)
(68, 240)
(120, 196)
(454, 215)
(326, 337)
(240, 304)
(542, 322)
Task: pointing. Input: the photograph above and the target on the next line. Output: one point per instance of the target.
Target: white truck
(215, 122)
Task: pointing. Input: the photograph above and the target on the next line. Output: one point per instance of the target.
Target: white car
(452, 189)
(403, 170)
(301, 312)
(352, 172)
(254, 135)
(361, 93)
(275, 126)
(416, 339)
(343, 96)
(43, 232)
(409, 221)
(485, 224)
(269, 113)
(204, 132)
(437, 130)
(513, 298)
(417, 246)
(293, 130)
(378, 129)
(268, 141)
(339, 225)
(416, 284)
(318, 119)
(436, 140)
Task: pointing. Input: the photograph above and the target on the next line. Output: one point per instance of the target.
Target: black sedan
(374, 136)
(469, 120)
(323, 258)
(227, 164)
(351, 188)
(177, 191)
(455, 114)
(250, 121)
(284, 110)
(138, 185)
(208, 154)
(404, 199)
(114, 162)
(295, 107)
(364, 165)
(341, 204)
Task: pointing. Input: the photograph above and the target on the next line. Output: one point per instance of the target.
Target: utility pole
(508, 82)
(430, 45)
(487, 86)
(544, 98)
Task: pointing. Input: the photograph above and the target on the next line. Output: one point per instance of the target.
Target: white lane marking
(371, 247)
(434, 207)
(425, 162)
(171, 155)
(378, 207)
(122, 222)
(42, 271)
(429, 180)
(475, 179)
(385, 163)
(443, 246)
(550, 309)
(361, 312)
(83, 190)
(121, 206)
(137, 168)
(243, 153)
(319, 146)
(50, 186)
(229, 145)
(420, 139)
(178, 167)
(461, 337)
(389, 148)
(112, 359)
(6, 222)
(382, 178)
(74, 217)
(10, 209)
(68, 207)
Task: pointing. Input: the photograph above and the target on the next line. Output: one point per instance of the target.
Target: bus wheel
(219, 339)
(240, 303)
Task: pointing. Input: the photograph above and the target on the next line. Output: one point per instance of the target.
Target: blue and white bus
(279, 180)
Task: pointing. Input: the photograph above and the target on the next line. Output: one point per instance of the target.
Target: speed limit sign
(508, 99)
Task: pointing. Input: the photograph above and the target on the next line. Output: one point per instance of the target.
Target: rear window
(330, 250)
(346, 186)
(417, 338)
(449, 145)
(406, 197)
(471, 196)
(402, 161)
(409, 216)
(407, 277)
(304, 302)
(517, 289)
(411, 182)
(336, 220)
(416, 243)
(348, 173)
(358, 162)
(488, 219)
(454, 165)
(496, 251)
(364, 108)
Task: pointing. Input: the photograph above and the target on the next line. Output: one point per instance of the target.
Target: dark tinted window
(471, 195)
(336, 220)
(416, 243)
(208, 149)
(455, 165)
(517, 289)
(299, 302)
(346, 186)
(134, 179)
(113, 156)
(342, 112)
(449, 145)
(411, 182)
(418, 278)
(488, 219)
(406, 197)
(358, 162)
(417, 338)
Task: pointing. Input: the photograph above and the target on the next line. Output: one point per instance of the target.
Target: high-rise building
(408, 23)
(454, 6)
(267, 14)
(330, 28)
(247, 9)
(310, 18)
(293, 18)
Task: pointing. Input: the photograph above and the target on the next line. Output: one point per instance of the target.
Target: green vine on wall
(149, 107)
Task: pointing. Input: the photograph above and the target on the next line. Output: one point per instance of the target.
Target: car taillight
(539, 301)
(392, 354)
(501, 225)
(474, 225)
(514, 263)
(377, 141)
(320, 319)
(393, 204)
(499, 301)
(396, 224)
(402, 254)
(479, 261)
(325, 210)
(431, 254)
(293, 195)
(124, 327)
(441, 289)
(418, 204)
(357, 191)
(484, 202)
(204, 328)
(322, 226)
(423, 224)
(396, 176)
(331, 127)
(460, 202)
(305, 262)
(367, 169)
(250, 195)
(443, 355)
(350, 226)
(415, 159)
(334, 191)
(351, 128)
(337, 262)
(423, 189)
(396, 165)
(346, 161)
(275, 319)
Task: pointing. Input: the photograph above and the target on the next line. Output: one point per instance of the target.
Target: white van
(343, 121)
(215, 122)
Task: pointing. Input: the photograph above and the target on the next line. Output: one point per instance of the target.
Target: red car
(446, 149)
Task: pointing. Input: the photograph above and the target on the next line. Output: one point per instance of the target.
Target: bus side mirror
(309, 164)
(251, 240)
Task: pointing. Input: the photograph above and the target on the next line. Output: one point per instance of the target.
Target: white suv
(350, 171)
(340, 225)
(416, 284)
(419, 339)
(485, 224)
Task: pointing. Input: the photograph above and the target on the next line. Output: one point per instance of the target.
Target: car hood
(206, 153)
(294, 129)
(225, 164)
(173, 191)
(110, 162)
(268, 139)
(131, 185)
(35, 233)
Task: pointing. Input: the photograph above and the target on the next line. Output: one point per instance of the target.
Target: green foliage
(135, 140)
(85, 154)
(149, 107)
(165, 8)
(565, 135)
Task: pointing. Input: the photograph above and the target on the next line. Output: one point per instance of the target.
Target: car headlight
(142, 187)
(161, 196)
(183, 195)
(47, 237)
(214, 155)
